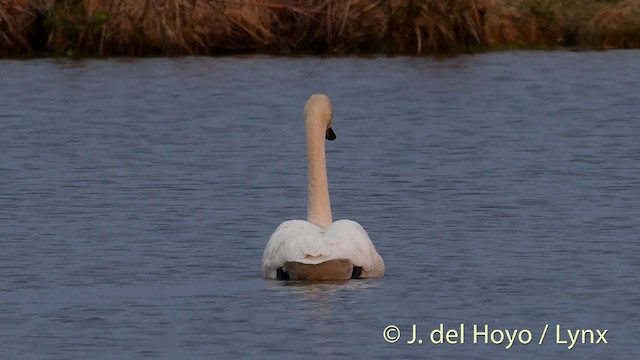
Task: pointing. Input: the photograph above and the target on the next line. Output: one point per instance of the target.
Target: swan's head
(319, 113)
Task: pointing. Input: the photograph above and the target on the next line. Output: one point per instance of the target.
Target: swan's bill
(330, 134)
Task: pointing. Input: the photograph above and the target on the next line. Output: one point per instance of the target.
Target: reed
(523, 23)
(16, 17)
(615, 27)
(190, 27)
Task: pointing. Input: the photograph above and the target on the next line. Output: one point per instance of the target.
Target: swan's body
(320, 249)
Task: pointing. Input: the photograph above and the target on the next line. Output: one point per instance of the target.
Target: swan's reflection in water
(322, 297)
(324, 312)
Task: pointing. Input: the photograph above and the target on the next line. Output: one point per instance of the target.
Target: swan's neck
(318, 204)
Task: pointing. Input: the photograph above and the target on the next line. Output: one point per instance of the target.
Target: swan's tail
(337, 269)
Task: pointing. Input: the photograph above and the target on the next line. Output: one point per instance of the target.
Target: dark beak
(330, 134)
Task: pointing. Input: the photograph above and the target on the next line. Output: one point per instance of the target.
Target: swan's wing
(295, 240)
(303, 242)
(349, 240)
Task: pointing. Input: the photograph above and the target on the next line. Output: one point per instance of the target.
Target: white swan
(320, 249)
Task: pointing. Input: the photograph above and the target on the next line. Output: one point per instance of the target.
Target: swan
(318, 248)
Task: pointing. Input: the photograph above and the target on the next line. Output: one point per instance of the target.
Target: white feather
(303, 242)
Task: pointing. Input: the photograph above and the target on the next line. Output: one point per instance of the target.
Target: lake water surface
(136, 198)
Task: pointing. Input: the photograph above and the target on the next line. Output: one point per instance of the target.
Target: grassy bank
(189, 27)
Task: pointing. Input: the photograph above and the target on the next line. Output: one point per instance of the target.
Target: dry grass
(616, 27)
(524, 23)
(448, 25)
(16, 17)
(203, 27)
(186, 27)
(96, 27)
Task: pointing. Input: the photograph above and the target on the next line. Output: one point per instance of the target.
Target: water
(136, 198)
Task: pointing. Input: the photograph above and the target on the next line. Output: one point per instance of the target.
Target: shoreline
(120, 28)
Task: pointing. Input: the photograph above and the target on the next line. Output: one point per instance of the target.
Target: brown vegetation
(16, 17)
(186, 27)
(616, 27)
(524, 23)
